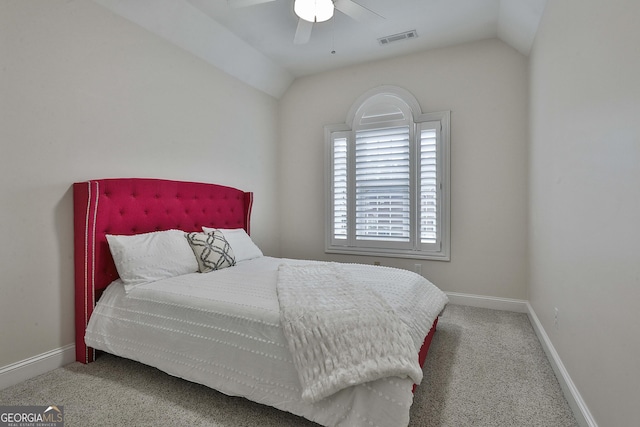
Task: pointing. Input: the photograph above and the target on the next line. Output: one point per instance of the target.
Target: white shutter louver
(382, 184)
(340, 188)
(428, 186)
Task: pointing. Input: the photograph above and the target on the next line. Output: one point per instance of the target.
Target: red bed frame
(133, 206)
(140, 205)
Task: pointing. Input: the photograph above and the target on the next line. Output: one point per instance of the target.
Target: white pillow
(148, 257)
(242, 245)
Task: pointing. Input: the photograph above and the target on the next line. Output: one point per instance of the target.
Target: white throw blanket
(340, 333)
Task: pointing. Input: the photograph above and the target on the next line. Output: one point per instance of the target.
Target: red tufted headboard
(133, 206)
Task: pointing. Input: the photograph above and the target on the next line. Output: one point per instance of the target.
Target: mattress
(222, 329)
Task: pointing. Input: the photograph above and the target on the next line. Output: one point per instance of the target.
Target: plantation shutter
(339, 195)
(383, 184)
(428, 184)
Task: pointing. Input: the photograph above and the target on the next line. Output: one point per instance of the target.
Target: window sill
(432, 256)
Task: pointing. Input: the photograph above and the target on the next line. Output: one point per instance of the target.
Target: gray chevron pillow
(212, 251)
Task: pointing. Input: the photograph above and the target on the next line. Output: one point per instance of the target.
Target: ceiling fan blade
(245, 3)
(355, 11)
(303, 32)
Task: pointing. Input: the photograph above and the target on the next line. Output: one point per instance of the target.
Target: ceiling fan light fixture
(314, 10)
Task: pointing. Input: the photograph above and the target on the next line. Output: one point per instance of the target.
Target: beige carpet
(485, 368)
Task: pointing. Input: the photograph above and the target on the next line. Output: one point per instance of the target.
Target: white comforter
(222, 329)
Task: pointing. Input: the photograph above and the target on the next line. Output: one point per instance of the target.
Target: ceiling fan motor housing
(314, 10)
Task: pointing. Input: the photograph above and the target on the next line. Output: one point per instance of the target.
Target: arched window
(388, 179)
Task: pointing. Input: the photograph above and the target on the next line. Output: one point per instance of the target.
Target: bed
(239, 329)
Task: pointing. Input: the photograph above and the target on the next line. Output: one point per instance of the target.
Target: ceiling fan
(312, 11)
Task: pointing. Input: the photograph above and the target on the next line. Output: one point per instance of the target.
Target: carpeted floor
(485, 368)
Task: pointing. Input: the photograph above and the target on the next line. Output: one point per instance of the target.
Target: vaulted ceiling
(256, 43)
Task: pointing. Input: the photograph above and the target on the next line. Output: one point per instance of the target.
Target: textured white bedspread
(222, 329)
(340, 332)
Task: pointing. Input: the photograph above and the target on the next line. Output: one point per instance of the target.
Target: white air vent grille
(397, 37)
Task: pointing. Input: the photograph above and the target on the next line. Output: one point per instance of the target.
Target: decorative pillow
(212, 251)
(143, 258)
(242, 245)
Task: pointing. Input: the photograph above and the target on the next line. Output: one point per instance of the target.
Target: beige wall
(85, 94)
(585, 197)
(484, 84)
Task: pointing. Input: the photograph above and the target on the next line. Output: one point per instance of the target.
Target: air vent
(397, 37)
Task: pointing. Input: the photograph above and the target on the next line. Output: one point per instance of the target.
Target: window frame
(418, 120)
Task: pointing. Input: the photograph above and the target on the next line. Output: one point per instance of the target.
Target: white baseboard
(571, 393)
(494, 303)
(36, 365)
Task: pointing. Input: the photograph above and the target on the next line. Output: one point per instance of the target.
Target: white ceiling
(255, 43)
